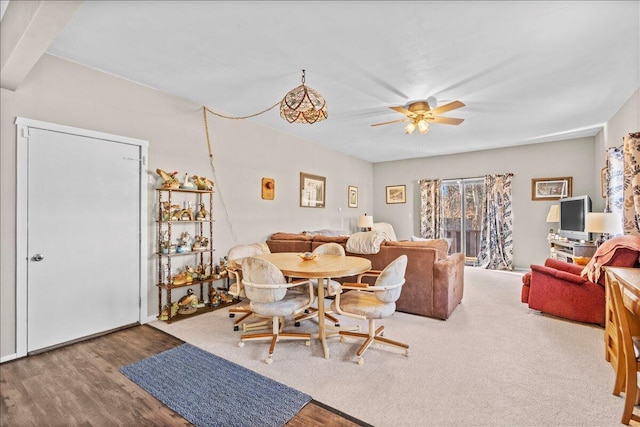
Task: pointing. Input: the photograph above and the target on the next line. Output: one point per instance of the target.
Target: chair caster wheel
(306, 311)
(236, 328)
(241, 344)
(297, 324)
(337, 325)
(360, 361)
(307, 343)
(232, 315)
(268, 360)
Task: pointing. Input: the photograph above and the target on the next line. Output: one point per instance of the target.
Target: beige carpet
(493, 363)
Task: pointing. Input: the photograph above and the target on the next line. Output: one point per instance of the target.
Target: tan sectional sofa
(434, 281)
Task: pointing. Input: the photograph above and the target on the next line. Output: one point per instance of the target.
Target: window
(462, 201)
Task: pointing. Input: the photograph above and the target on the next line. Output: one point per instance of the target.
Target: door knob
(37, 258)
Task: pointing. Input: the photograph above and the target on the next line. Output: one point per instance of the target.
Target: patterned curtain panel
(431, 225)
(615, 180)
(496, 235)
(631, 196)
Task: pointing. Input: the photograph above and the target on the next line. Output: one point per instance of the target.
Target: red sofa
(558, 288)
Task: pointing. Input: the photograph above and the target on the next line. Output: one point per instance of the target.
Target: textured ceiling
(527, 71)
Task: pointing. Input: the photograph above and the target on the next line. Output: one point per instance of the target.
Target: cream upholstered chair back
(242, 251)
(261, 279)
(393, 274)
(329, 249)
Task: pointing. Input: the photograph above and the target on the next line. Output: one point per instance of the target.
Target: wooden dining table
(322, 267)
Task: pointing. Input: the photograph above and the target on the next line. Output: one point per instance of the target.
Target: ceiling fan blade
(404, 111)
(393, 121)
(445, 120)
(446, 107)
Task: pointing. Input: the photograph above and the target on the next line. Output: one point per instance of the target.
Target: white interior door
(84, 230)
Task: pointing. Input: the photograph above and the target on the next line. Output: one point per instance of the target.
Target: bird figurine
(169, 180)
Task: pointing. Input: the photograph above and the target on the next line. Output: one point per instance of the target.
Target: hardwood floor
(81, 385)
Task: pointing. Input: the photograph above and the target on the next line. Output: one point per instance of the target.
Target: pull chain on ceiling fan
(419, 114)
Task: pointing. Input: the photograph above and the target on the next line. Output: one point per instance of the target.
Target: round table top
(322, 266)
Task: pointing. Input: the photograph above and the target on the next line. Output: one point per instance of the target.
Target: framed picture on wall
(604, 182)
(396, 194)
(550, 188)
(312, 190)
(352, 196)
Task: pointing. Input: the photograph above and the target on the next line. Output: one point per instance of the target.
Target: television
(573, 215)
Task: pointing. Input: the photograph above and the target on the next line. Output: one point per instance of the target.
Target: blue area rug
(208, 390)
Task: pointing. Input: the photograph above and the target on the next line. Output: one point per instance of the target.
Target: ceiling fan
(419, 114)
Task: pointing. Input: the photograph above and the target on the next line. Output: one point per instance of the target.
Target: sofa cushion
(440, 245)
(367, 242)
(290, 236)
(330, 239)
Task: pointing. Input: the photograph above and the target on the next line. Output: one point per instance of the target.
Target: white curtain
(496, 235)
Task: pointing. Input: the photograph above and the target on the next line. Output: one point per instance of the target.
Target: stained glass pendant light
(303, 105)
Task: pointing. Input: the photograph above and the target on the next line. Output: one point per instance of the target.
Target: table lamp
(553, 216)
(605, 223)
(365, 221)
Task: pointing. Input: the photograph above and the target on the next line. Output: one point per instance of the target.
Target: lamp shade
(603, 222)
(554, 214)
(303, 105)
(365, 221)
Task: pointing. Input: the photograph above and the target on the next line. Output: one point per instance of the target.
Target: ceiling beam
(26, 31)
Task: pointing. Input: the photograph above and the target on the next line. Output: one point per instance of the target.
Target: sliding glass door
(462, 201)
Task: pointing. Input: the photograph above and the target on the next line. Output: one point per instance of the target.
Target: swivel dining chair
(271, 297)
(629, 327)
(332, 287)
(236, 289)
(371, 302)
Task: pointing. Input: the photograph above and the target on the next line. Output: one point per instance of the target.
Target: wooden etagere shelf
(180, 213)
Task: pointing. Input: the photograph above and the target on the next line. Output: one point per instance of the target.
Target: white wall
(62, 92)
(574, 158)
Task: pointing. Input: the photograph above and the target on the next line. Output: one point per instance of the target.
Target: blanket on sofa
(605, 253)
(366, 242)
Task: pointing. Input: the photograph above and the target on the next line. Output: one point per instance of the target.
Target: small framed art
(352, 196)
(550, 188)
(312, 190)
(396, 194)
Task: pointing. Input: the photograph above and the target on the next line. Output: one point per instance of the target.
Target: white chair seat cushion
(288, 306)
(365, 304)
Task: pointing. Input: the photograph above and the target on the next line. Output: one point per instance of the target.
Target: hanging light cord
(215, 179)
(241, 117)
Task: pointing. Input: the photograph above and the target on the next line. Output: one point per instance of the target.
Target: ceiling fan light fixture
(303, 105)
(408, 129)
(423, 126)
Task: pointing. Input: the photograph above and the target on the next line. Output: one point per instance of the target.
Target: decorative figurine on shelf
(200, 272)
(169, 211)
(225, 297)
(215, 299)
(200, 243)
(186, 214)
(169, 180)
(164, 315)
(202, 183)
(180, 278)
(202, 214)
(191, 273)
(187, 184)
(188, 303)
(185, 242)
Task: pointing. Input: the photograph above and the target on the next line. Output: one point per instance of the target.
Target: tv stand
(567, 250)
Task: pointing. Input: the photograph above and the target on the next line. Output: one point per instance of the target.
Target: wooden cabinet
(567, 250)
(185, 252)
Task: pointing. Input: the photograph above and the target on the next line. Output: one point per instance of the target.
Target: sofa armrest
(563, 266)
(448, 284)
(565, 276)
